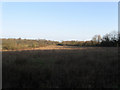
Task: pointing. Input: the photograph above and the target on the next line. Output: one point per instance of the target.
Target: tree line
(12, 44)
(108, 40)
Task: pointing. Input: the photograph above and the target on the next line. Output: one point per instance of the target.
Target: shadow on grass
(87, 68)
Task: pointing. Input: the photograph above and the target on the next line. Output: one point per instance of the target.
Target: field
(88, 67)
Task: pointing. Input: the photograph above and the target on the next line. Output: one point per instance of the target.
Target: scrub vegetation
(108, 40)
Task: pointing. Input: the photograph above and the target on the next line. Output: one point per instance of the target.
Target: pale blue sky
(58, 21)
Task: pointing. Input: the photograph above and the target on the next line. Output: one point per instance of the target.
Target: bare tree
(110, 39)
(97, 38)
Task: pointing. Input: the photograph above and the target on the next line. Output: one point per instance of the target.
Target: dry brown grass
(53, 47)
(61, 67)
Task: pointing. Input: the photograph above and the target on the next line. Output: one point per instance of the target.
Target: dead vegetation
(90, 67)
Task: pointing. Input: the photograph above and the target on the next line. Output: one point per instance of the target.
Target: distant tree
(94, 38)
(110, 39)
(106, 38)
(25, 43)
(97, 38)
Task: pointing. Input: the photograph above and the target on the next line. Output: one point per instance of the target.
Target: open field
(90, 67)
(51, 47)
